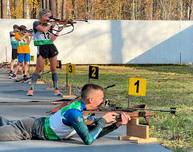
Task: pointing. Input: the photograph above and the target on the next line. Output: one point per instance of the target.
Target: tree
(63, 9)
(148, 9)
(190, 10)
(27, 9)
(1, 9)
(74, 12)
(4, 9)
(101, 9)
(53, 7)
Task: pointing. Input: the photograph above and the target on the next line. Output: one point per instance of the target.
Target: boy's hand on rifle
(122, 119)
(52, 24)
(27, 34)
(110, 117)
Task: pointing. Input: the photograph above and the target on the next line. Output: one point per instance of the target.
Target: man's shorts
(23, 58)
(47, 51)
(14, 54)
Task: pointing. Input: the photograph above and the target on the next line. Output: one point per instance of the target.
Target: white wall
(115, 42)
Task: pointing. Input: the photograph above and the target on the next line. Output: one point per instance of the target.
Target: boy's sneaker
(57, 92)
(30, 92)
(25, 78)
(13, 76)
(10, 73)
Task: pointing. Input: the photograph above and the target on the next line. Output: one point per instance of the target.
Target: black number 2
(137, 86)
(93, 72)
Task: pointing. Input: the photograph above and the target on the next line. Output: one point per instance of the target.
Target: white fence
(116, 42)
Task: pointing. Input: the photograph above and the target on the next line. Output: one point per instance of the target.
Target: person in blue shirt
(66, 122)
(14, 45)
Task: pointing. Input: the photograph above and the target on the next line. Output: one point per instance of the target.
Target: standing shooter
(23, 38)
(43, 39)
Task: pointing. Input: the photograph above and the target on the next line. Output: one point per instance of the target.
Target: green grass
(167, 86)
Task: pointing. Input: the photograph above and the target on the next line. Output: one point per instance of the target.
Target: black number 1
(137, 86)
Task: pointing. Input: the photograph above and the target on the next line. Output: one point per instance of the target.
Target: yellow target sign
(32, 58)
(59, 64)
(46, 63)
(137, 87)
(70, 68)
(93, 72)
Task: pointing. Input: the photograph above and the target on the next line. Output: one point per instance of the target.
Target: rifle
(28, 31)
(61, 24)
(133, 112)
(66, 21)
(133, 115)
(24, 30)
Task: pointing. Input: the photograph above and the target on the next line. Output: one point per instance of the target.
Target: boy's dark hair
(22, 27)
(87, 87)
(15, 26)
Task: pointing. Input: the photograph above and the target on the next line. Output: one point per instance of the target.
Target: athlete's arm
(53, 37)
(17, 37)
(76, 120)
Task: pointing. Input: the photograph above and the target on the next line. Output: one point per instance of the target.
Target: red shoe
(57, 92)
(30, 92)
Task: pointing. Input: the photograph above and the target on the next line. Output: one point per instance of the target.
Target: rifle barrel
(172, 110)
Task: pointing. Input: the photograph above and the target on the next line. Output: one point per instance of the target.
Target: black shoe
(24, 77)
(13, 76)
(1, 121)
(10, 73)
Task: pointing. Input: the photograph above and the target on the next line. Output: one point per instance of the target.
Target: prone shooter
(135, 131)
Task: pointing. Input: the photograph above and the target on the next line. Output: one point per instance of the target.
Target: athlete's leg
(19, 64)
(17, 130)
(36, 74)
(14, 57)
(53, 64)
(12, 65)
(26, 64)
